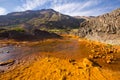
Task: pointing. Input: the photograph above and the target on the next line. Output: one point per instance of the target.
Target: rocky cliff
(104, 28)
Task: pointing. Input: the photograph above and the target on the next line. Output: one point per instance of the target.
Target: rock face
(104, 28)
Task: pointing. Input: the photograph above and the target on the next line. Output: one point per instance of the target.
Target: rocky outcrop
(104, 28)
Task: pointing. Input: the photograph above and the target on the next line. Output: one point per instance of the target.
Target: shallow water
(5, 52)
(13, 52)
(71, 49)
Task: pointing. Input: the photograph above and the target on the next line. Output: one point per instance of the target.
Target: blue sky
(69, 7)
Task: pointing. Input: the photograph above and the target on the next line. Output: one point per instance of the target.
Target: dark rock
(7, 52)
(8, 62)
(1, 71)
(72, 60)
(80, 67)
(90, 63)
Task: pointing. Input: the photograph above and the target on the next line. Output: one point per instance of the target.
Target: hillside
(104, 28)
(45, 18)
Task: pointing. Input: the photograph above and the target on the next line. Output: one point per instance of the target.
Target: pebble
(7, 52)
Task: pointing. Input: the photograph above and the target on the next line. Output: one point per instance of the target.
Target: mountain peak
(30, 12)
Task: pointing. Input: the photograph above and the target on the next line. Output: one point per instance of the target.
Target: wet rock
(4, 45)
(74, 63)
(69, 73)
(8, 62)
(1, 71)
(91, 56)
(92, 51)
(80, 67)
(96, 56)
(7, 51)
(100, 56)
(111, 51)
(48, 60)
(18, 45)
(87, 62)
(64, 78)
(103, 57)
(109, 59)
(72, 60)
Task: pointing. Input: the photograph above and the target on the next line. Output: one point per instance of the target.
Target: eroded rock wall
(104, 28)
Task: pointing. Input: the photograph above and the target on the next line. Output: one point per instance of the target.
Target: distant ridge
(45, 18)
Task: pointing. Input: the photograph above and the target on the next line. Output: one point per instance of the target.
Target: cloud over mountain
(2, 11)
(69, 7)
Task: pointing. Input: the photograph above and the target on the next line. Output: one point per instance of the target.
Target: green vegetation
(14, 27)
(18, 29)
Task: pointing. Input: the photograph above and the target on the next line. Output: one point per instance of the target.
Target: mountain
(104, 28)
(45, 18)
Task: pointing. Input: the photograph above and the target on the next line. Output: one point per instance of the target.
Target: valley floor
(66, 59)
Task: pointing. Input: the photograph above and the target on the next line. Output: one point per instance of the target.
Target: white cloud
(76, 8)
(92, 12)
(64, 6)
(69, 7)
(30, 4)
(2, 11)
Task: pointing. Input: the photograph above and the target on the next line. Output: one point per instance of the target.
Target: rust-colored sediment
(64, 62)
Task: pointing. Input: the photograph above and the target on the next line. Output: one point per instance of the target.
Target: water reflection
(5, 52)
